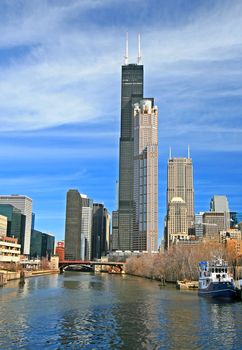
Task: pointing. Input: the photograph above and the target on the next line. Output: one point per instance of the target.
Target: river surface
(102, 311)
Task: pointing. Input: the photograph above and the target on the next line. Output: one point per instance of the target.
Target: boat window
(223, 276)
(225, 271)
(216, 270)
(212, 270)
(218, 275)
(222, 270)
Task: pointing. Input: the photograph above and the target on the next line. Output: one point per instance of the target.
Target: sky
(60, 71)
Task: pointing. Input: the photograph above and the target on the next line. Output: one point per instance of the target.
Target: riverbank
(10, 275)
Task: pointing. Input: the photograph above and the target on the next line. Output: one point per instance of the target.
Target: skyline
(60, 95)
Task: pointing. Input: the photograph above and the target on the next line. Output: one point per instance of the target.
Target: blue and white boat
(215, 280)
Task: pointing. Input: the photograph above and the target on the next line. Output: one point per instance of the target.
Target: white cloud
(69, 71)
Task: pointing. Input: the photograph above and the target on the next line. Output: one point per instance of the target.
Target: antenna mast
(139, 50)
(126, 57)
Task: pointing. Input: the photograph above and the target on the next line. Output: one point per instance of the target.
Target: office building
(73, 225)
(177, 220)
(131, 93)
(145, 176)
(97, 230)
(179, 186)
(213, 223)
(115, 242)
(137, 227)
(86, 227)
(106, 232)
(42, 244)
(24, 204)
(3, 226)
(219, 204)
(15, 223)
(199, 225)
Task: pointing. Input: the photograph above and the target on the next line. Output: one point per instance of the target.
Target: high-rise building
(199, 225)
(177, 227)
(213, 223)
(145, 176)
(73, 225)
(180, 185)
(220, 204)
(106, 232)
(131, 93)
(24, 204)
(115, 242)
(16, 223)
(42, 244)
(133, 230)
(86, 226)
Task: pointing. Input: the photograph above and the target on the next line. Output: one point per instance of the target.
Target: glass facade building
(131, 93)
(16, 222)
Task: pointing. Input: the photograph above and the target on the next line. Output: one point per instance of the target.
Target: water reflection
(87, 311)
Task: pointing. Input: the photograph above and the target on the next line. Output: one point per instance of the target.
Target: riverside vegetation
(180, 262)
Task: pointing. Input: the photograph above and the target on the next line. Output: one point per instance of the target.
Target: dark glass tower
(131, 92)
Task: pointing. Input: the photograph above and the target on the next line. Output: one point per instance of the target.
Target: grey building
(199, 227)
(24, 204)
(213, 223)
(73, 226)
(115, 242)
(220, 204)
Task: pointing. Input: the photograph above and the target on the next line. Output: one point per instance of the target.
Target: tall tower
(73, 226)
(180, 186)
(131, 93)
(146, 175)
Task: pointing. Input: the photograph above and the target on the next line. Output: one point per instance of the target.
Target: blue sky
(60, 96)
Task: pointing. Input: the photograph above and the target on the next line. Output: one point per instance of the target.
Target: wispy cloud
(69, 70)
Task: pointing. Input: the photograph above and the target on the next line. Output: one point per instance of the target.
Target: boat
(79, 268)
(215, 280)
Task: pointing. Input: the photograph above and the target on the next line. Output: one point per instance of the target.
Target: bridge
(64, 263)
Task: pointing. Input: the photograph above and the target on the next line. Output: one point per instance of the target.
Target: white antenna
(188, 152)
(170, 152)
(126, 57)
(139, 50)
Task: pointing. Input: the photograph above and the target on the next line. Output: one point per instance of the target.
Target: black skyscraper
(131, 92)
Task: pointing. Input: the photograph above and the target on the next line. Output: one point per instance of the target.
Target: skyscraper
(131, 92)
(86, 225)
(24, 204)
(73, 226)
(180, 185)
(132, 221)
(145, 176)
(220, 204)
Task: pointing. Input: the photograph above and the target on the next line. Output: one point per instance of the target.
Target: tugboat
(215, 280)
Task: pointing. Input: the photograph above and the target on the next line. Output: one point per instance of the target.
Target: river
(102, 311)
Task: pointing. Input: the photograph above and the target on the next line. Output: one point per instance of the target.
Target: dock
(185, 284)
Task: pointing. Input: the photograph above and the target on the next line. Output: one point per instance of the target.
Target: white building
(145, 176)
(9, 250)
(86, 227)
(24, 204)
